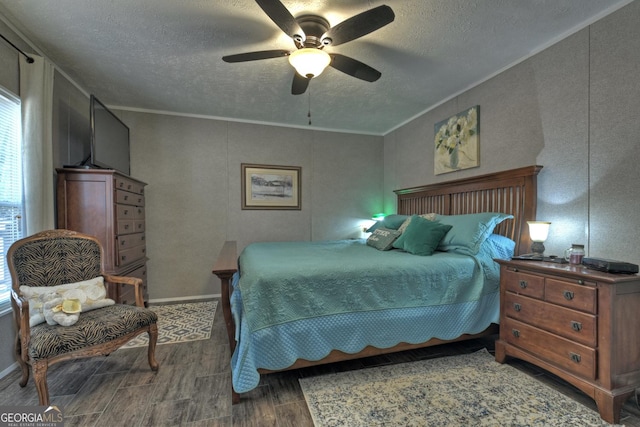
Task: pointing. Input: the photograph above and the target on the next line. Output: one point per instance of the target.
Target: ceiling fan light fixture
(309, 62)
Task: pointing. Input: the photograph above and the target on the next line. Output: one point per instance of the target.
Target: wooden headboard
(512, 192)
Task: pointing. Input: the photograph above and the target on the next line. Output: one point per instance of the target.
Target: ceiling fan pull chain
(309, 113)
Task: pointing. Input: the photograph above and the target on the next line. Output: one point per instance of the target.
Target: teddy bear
(53, 311)
(70, 300)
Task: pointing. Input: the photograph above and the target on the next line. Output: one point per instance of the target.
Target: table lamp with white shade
(538, 231)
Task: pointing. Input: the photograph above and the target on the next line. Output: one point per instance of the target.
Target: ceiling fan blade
(354, 68)
(254, 56)
(281, 16)
(360, 25)
(299, 85)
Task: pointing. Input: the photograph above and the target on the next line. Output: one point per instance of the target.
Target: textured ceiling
(165, 55)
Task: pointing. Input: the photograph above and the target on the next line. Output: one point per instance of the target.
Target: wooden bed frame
(512, 192)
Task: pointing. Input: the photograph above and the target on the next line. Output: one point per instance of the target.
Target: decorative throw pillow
(469, 231)
(383, 238)
(91, 294)
(405, 224)
(422, 236)
(392, 222)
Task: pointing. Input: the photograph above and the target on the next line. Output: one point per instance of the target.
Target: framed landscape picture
(270, 187)
(457, 142)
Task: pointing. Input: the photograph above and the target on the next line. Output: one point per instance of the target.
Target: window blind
(11, 200)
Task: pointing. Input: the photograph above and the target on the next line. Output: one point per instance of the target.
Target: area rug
(465, 390)
(180, 323)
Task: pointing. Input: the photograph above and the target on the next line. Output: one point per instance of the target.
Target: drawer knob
(126, 211)
(126, 197)
(516, 333)
(576, 326)
(580, 282)
(575, 357)
(517, 307)
(126, 226)
(568, 295)
(122, 242)
(523, 284)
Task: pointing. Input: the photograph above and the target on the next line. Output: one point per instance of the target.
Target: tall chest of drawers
(582, 325)
(110, 206)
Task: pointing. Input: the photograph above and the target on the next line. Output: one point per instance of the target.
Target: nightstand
(579, 324)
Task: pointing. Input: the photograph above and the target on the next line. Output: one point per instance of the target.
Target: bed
(340, 300)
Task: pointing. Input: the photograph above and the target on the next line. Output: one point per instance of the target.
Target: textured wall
(9, 71)
(573, 109)
(347, 177)
(193, 199)
(614, 136)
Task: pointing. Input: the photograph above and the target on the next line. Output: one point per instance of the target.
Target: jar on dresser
(110, 206)
(582, 325)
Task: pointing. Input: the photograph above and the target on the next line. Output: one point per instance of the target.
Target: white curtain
(36, 97)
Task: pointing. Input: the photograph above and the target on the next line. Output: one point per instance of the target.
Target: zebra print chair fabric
(57, 257)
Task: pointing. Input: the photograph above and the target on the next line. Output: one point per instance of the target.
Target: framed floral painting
(457, 144)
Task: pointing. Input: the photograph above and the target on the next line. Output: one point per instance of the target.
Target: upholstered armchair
(57, 280)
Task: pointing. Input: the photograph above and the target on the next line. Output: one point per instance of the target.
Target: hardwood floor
(192, 387)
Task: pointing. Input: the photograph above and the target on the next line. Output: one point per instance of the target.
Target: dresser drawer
(138, 212)
(130, 219)
(574, 325)
(127, 256)
(128, 185)
(128, 198)
(140, 273)
(566, 354)
(130, 240)
(572, 295)
(125, 212)
(138, 225)
(125, 226)
(523, 283)
(128, 295)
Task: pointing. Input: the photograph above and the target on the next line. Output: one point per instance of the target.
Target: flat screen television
(109, 139)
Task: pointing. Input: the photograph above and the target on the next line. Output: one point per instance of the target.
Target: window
(11, 205)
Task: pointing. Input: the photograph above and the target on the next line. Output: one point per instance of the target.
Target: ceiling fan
(311, 34)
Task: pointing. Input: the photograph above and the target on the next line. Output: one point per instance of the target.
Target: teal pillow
(399, 242)
(469, 231)
(422, 236)
(392, 222)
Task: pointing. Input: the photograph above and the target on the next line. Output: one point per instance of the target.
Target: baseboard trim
(10, 369)
(191, 298)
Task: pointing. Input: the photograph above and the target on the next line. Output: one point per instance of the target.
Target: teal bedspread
(283, 282)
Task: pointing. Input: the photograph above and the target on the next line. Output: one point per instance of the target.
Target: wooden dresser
(110, 206)
(579, 324)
